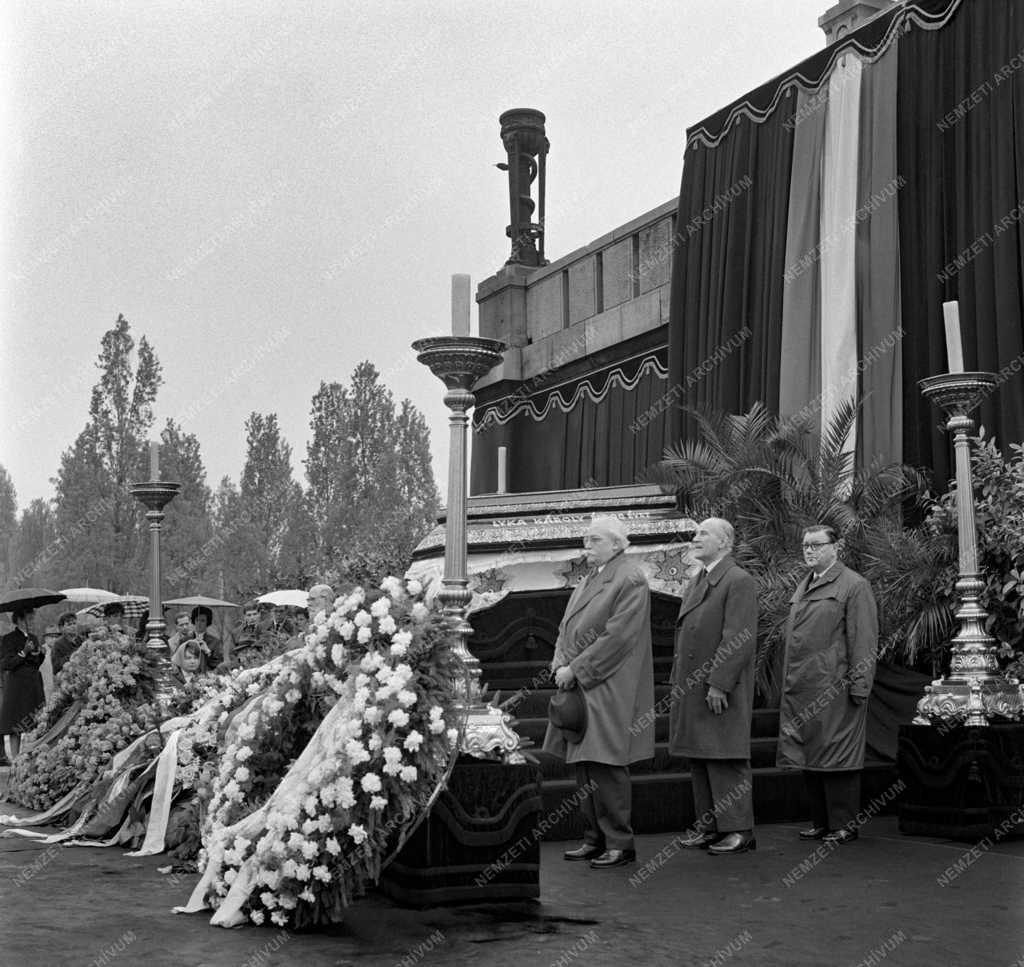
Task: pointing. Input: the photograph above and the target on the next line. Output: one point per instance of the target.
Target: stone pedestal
(480, 843)
(963, 782)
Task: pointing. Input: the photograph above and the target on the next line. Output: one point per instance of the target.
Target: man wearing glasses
(831, 637)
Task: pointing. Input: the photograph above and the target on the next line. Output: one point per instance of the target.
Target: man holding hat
(603, 652)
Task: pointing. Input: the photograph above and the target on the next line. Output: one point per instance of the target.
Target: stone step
(763, 725)
(663, 802)
(508, 676)
(762, 755)
(528, 704)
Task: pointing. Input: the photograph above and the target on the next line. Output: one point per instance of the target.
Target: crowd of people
(29, 668)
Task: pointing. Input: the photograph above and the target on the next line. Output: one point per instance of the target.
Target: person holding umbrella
(20, 657)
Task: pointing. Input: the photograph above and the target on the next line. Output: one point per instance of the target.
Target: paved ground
(886, 899)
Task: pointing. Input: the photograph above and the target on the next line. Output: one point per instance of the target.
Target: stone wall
(602, 294)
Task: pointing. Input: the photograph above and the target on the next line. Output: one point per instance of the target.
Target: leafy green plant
(772, 477)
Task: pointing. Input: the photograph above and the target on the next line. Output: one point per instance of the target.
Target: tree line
(369, 493)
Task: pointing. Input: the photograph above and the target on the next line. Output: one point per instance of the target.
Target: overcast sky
(272, 193)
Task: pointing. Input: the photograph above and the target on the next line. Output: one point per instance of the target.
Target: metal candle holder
(975, 692)
(459, 361)
(154, 495)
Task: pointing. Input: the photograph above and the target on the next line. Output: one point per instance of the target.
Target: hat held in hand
(568, 711)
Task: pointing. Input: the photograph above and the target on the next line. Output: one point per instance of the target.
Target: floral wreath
(293, 841)
(102, 702)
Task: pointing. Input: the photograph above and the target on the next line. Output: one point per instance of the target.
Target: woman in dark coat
(20, 658)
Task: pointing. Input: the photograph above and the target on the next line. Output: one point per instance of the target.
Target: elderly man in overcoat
(713, 693)
(604, 648)
(831, 638)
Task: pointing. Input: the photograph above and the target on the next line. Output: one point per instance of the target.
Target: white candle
(954, 348)
(154, 460)
(460, 305)
(502, 470)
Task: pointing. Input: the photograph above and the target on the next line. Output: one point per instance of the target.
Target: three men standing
(604, 648)
(713, 693)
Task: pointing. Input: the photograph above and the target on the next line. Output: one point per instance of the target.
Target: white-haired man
(321, 598)
(604, 649)
(713, 693)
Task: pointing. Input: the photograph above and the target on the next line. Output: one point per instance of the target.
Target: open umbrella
(89, 594)
(28, 598)
(134, 606)
(198, 601)
(290, 598)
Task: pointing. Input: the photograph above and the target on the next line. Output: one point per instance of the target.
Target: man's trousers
(606, 798)
(835, 798)
(723, 797)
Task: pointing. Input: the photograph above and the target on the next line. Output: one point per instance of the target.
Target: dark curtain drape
(961, 152)
(594, 444)
(727, 272)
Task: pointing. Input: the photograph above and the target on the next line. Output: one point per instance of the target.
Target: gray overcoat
(716, 641)
(605, 637)
(831, 639)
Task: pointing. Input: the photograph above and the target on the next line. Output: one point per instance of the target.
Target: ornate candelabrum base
(459, 361)
(975, 692)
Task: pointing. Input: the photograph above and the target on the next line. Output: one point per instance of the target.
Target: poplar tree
(188, 540)
(371, 485)
(98, 523)
(8, 524)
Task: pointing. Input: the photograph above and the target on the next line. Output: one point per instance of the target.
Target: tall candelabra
(154, 495)
(460, 361)
(975, 692)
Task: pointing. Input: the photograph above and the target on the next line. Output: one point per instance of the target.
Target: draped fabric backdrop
(595, 422)
(885, 176)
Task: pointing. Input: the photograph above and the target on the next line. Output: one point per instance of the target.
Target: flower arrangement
(326, 757)
(104, 696)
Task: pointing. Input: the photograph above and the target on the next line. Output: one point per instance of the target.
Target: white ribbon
(163, 793)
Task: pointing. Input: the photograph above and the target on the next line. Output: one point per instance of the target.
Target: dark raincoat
(716, 641)
(831, 639)
(23, 684)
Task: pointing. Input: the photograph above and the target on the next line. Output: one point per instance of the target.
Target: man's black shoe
(841, 836)
(734, 843)
(613, 857)
(697, 839)
(584, 852)
(815, 832)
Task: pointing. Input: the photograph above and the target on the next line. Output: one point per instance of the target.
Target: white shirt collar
(818, 577)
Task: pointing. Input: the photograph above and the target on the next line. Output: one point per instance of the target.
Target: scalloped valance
(809, 76)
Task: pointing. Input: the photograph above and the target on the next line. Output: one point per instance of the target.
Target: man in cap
(604, 649)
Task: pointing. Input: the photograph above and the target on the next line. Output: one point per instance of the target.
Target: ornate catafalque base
(460, 361)
(975, 692)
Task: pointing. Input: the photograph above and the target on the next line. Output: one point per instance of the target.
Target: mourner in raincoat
(604, 649)
(713, 693)
(831, 639)
(20, 658)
